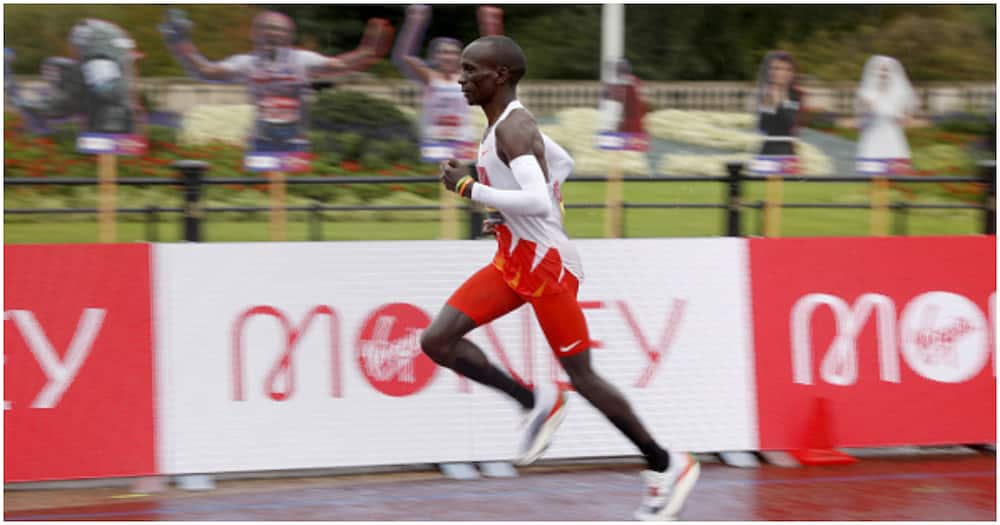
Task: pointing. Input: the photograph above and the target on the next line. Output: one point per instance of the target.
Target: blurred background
(698, 65)
(683, 120)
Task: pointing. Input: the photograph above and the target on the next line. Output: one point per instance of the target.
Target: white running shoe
(541, 423)
(667, 491)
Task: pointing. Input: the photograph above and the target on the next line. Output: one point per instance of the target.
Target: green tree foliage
(562, 41)
(39, 31)
(931, 49)
(705, 42)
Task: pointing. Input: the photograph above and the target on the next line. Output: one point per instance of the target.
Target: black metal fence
(191, 179)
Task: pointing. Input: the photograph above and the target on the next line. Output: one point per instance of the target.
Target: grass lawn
(580, 223)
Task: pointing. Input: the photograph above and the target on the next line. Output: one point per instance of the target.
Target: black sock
(473, 364)
(492, 376)
(657, 458)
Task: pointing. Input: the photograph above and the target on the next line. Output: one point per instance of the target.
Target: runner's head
(491, 65)
(444, 53)
(272, 30)
(779, 68)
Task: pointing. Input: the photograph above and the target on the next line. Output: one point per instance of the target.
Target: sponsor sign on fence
(78, 362)
(125, 360)
(114, 143)
(310, 356)
(894, 335)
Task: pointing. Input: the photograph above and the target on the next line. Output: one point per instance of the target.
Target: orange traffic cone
(819, 439)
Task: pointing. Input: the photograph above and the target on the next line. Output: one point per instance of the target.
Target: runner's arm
(519, 140)
(490, 20)
(176, 31)
(202, 68)
(375, 44)
(404, 54)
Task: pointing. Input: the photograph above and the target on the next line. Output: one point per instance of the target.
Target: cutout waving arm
(176, 31)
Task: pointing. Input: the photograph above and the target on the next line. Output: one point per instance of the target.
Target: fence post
(758, 206)
(774, 188)
(733, 203)
(614, 199)
(279, 203)
(988, 170)
(900, 211)
(191, 171)
(152, 223)
(315, 223)
(107, 173)
(880, 206)
(450, 203)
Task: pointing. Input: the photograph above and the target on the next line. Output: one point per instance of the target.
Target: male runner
(277, 74)
(519, 172)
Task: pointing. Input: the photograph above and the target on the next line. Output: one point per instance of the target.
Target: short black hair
(506, 52)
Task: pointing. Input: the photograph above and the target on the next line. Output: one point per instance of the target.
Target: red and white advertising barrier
(307, 355)
(892, 337)
(124, 360)
(78, 362)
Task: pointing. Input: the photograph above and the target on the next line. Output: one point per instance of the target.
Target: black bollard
(733, 203)
(191, 172)
(988, 170)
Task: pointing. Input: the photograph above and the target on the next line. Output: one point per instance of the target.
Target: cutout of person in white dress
(884, 102)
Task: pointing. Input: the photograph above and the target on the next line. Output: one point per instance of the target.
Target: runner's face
(883, 76)
(780, 72)
(478, 76)
(446, 57)
(273, 31)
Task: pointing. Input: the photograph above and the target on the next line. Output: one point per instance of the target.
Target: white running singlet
(533, 251)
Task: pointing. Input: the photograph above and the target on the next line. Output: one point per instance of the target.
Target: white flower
(207, 123)
(704, 128)
(713, 165)
(576, 130)
(813, 160)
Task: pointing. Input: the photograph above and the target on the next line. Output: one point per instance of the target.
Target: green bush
(964, 123)
(55, 155)
(352, 126)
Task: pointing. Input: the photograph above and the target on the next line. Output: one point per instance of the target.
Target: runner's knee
(447, 329)
(581, 375)
(434, 343)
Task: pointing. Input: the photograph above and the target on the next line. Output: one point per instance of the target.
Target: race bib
(446, 115)
(278, 110)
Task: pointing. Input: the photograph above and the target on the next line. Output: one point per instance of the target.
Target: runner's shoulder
(519, 128)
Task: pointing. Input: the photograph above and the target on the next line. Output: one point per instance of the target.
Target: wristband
(462, 184)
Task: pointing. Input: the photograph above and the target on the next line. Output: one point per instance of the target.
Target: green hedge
(353, 134)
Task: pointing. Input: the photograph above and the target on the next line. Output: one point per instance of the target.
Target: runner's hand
(490, 20)
(418, 13)
(177, 27)
(493, 219)
(377, 37)
(451, 172)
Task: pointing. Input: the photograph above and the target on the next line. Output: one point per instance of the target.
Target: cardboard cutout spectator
(884, 101)
(446, 127)
(278, 76)
(97, 86)
(779, 101)
(621, 110)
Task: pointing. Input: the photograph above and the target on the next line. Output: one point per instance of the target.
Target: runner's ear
(503, 74)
